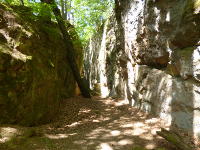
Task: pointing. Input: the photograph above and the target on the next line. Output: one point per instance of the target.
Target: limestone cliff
(34, 74)
(149, 53)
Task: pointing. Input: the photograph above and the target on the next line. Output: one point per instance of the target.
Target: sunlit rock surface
(149, 53)
(34, 74)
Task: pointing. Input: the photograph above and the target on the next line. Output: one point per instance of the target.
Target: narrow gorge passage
(142, 57)
(97, 124)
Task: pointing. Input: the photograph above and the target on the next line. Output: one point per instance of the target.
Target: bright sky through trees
(86, 15)
(89, 14)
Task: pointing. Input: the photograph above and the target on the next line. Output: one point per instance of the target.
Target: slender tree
(62, 5)
(71, 52)
(65, 10)
(22, 2)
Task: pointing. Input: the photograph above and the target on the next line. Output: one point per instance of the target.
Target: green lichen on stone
(14, 53)
(34, 72)
(186, 52)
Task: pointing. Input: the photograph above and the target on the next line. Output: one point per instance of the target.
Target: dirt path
(98, 124)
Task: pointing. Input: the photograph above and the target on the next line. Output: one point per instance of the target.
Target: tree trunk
(65, 8)
(70, 6)
(70, 49)
(62, 4)
(22, 2)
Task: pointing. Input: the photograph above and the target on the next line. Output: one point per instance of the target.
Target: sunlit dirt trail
(104, 124)
(97, 124)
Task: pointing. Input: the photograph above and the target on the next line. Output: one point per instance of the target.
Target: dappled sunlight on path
(105, 124)
(97, 124)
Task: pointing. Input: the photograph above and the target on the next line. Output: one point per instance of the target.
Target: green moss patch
(35, 75)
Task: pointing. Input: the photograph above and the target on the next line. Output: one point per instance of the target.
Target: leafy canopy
(89, 15)
(86, 15)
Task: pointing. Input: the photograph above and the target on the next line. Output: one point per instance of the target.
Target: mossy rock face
(34, 73)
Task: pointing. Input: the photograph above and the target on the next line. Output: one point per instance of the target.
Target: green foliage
(40, 9)
(196, 4)
(89, 15)
(10, 1)
(86, 15)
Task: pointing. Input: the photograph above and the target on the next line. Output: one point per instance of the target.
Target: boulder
(34, 74)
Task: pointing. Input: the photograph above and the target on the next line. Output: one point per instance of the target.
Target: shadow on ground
(97, 124)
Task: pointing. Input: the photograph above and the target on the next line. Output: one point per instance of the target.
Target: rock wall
(149, 53)
(34, 74)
